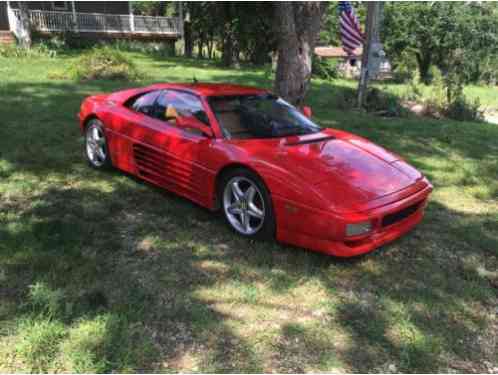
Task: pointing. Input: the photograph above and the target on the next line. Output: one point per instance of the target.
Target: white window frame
(65, 8)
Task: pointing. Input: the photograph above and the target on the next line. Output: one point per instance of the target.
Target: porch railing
(99, 22)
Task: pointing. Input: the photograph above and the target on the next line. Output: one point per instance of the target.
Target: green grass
(100, 272)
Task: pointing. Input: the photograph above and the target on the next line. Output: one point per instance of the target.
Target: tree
(436, 33)
(297, 25)
(229, 49)
(236, 29)
(369, 62)
(25, 35)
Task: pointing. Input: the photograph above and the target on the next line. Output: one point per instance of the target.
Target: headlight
(358, 228)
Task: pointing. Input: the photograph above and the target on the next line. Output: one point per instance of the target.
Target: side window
(145, 103)
(174, 104)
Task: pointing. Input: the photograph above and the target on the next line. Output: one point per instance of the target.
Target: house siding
(108, 7)
(4, 19)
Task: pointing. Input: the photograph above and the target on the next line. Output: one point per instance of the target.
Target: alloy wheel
(244, 205)
(96, 146)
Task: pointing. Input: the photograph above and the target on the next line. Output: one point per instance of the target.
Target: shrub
(324, 68)
(462, 109)
(39, 344)
(161, 49)
(103, 62)
(345, 99)
(45, 301)
(39, 50)
(379, 100)
(445, 99)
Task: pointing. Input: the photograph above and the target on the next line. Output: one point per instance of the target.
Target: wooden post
(25, 25)
(12, 19)
(180, 18)
(372, 36)
(132, 17)
(75, 18)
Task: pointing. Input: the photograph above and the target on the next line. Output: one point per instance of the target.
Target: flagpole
(372, 36)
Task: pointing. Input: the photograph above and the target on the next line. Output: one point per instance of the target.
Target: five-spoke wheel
(96, 145)
(246, 204)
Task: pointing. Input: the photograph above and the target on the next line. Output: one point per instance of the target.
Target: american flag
(351, 34)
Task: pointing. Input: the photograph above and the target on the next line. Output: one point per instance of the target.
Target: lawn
(100, 272)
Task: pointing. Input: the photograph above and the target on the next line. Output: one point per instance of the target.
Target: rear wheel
(247, 205)
(96, 150)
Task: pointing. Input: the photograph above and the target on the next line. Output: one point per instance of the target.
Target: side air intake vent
(150, 163)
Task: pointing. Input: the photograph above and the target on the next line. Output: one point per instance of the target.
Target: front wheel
(96, 150)
(247, 205)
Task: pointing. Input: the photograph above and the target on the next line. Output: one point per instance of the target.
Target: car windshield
(259, 116)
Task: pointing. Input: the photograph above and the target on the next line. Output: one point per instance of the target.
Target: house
(350, 66)
(90, 20)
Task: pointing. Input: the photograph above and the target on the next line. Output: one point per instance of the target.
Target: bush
(39, 344)
(381, 101)
(103, 62)
(161, 49)
(324, 68)
(445, 99)
(45, 301)
(13, 51)
(345, 99)
(462, 109)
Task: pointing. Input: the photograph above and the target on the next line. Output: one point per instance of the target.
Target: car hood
(346, 170)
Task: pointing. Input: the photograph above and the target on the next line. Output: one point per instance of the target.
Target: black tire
(267, 230)
(100, 159)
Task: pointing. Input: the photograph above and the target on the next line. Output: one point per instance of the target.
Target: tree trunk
(424, 61)
(372, 38)
(25, 34)
(297, 25)
(228, 49)
(200, 46)
(210, 47)
(187, 37)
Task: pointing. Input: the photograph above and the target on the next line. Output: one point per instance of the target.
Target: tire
(246, 204)
(96, 147)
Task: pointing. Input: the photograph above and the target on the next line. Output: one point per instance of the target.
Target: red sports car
(271, 170)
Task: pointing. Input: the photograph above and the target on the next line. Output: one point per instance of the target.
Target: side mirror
(307, 111)
(193, 123)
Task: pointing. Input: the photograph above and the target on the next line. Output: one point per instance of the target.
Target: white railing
(42, 20)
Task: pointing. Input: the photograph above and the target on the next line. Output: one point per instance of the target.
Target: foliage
(463, 109)
(39, 50)
(45, 301)
(103, 62)
(39, 342)
(381, 101)
(329, 31)
(442, 34)
(444, 98)
(237, 30)
(324, 68)
(154, 8)
(159, 49)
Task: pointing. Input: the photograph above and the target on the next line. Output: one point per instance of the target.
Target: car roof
(212, 89)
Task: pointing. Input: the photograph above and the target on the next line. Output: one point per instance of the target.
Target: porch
(112, 25)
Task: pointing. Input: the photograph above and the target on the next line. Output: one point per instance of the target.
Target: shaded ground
(101, 272)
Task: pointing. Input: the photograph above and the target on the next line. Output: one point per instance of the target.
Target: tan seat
(171, 113)
(230, 121)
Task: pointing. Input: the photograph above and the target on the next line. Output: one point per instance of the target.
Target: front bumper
(324, 232)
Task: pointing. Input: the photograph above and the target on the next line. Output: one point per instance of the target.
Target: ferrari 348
(270, 169)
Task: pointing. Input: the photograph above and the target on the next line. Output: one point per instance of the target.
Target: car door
(127, 124)
(170, 155)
